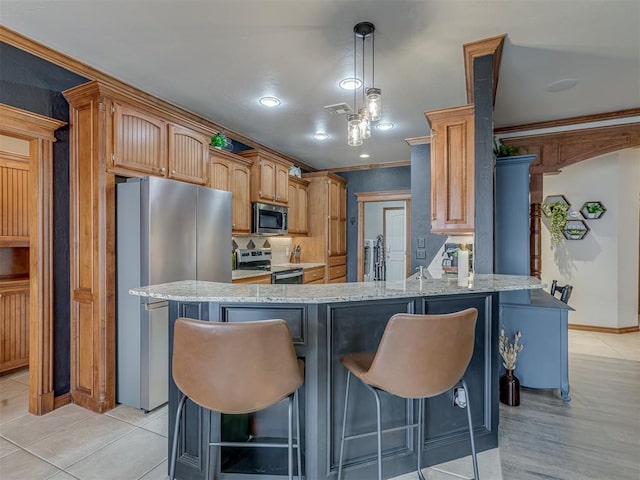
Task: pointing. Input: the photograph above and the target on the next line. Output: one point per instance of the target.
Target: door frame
(388, 196)
(38, 130)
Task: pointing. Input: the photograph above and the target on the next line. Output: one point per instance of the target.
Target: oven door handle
(284, 276)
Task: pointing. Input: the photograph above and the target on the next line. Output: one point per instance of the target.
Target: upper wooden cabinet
(144, 143)
(140, 140)
(233, 173)
(14, 202)
(269, 177)
(452, 169)
(298, 206)
(188, 155)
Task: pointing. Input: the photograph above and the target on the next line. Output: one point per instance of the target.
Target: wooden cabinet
(144, 143)
(139, 140)
(188, 155)
(269, 177)
(14, 203)
(259, 279)
(314, 275)
(298, 206)
(233, 173)
(327, 224)
(452, 169)
(14, 325)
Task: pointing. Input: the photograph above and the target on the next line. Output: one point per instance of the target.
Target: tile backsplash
(280, 246)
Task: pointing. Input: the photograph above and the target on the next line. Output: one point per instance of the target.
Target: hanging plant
(558, 213)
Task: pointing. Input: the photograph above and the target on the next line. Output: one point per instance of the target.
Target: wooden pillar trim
(39, 131)
(488, 46)
(535, 241)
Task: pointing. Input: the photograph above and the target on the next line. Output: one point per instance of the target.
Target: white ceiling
(218, 57)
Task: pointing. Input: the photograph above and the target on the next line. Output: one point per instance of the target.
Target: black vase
(510, 389)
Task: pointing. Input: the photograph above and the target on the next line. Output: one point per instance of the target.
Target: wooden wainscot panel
(14, 325)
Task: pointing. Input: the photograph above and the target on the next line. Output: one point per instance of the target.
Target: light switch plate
(420, 242)
(421, 254)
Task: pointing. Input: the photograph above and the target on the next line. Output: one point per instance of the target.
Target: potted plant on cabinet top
(501, 150)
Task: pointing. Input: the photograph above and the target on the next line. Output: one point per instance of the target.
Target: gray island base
(327, 322)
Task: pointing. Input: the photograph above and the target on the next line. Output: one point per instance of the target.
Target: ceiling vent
(338, 109)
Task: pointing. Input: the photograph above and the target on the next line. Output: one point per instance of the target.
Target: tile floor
(126, 444)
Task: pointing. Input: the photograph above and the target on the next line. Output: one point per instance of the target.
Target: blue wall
(33, 84)
(375, 180)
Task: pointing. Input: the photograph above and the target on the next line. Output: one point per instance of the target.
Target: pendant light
(371, 108)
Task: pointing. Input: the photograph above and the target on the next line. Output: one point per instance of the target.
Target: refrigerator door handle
(154, 306)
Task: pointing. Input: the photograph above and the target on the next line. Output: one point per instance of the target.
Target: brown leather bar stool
(236, 368)
(419, 357)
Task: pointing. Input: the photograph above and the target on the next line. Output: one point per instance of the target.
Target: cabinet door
(342, 225)
(267, 180)
(294, 213)
(139, 141)
(282, 183)
(241, 203)
(14, 328)
(14, 203)
(188, 155)
(220, 174)
(335, 243)
(301, 205)
(452, 171)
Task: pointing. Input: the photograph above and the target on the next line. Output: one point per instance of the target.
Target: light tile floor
(126, 444)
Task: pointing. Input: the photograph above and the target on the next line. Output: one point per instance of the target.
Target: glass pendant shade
(374, 103)
(365, 123)
(354, 137)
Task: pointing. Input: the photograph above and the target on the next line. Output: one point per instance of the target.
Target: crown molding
(418, 140)
(401, 163)
(488, 46)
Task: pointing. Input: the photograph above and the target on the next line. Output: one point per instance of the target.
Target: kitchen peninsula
(326, 322)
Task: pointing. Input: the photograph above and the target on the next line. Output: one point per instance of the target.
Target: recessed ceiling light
(364, 155)
(385, 126)
(561, 85)
(321, 136)
(270, 101)
(350, 83)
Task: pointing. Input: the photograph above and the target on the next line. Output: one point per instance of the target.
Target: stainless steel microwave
(269, 219)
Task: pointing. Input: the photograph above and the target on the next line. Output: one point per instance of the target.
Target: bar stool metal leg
(473, 445)
(174, 447)
(290, 439)
(379, 428)
(296, 399)
(421, 415)
(344, 425)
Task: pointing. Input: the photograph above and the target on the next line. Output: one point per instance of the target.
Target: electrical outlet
(421, 254)
(459, 397)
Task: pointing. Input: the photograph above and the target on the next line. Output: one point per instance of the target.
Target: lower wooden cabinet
(260, 279)
(14, 325)
(314, 275)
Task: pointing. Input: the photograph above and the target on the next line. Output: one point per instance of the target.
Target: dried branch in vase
(509, 352)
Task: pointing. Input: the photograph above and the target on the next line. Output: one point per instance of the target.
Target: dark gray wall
(422, 240)
(375, 180)
(484, 163)
(33, 84)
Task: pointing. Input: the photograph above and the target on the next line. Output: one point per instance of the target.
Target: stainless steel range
(260, 259)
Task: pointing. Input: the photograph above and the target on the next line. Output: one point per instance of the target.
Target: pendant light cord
(355, 61)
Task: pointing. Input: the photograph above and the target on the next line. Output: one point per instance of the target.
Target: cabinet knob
(173, 172)
(162, 170)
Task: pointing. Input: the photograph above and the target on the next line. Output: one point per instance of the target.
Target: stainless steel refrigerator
(166, 231)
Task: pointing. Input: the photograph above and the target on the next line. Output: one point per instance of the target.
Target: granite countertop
(197, 291)
(241, 274)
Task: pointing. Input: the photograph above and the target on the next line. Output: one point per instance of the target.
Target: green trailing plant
(558, 213)
(501, 150)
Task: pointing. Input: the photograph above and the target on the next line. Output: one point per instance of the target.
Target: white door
(395, 243)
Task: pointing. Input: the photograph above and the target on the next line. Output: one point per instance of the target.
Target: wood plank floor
(595, 437)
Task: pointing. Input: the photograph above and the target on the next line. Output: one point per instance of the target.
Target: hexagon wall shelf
(576, 230)
(592, 210)
(554, 198)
